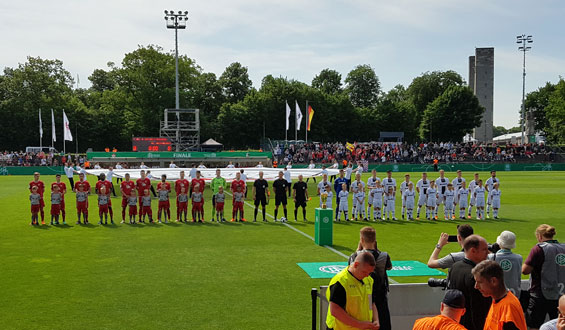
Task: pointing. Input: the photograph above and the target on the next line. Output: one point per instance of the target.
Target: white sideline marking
(308, 236)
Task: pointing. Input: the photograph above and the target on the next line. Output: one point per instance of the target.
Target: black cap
(454, 298)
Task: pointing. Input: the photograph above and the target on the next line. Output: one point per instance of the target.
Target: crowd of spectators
(393, 152)
(21, 158)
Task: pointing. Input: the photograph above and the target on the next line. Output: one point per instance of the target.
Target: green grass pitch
(211, 276)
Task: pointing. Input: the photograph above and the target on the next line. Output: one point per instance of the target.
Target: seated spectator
(559, 322)
(451, 310)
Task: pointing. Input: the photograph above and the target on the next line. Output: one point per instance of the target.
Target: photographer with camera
(460, 277)
(463, 231)
(511, 263)
(546, 266)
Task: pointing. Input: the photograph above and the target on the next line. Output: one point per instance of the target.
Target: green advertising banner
(399, 268)
(180, 154)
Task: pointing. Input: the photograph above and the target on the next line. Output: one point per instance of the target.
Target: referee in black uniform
(280, 187)
(300, 195)
(260, 187)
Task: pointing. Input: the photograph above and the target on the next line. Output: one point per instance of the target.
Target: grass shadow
(63, 226)
(44, 227)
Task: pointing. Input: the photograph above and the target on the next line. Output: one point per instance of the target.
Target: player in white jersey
(389, 181)
(472, 186)
(431, 202)
(376, 197)
(457, 182)
(422, 188)
(479, 194)
(408, 199)
(462, 200)
(355, 187)
(359, 204)
(441, 186)
(403, 188)
(390, 203)
(449, 203)
(343, 202)
(495, 200)
(489, 184)
(348, 170)
(371, 184)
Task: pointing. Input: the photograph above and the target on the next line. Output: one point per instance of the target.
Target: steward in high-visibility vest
(350, 296)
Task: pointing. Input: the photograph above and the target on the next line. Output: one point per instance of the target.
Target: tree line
(128, 100)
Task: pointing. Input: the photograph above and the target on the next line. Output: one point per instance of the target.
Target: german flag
(310, 116)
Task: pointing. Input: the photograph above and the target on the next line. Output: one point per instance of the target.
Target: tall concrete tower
(481, 81)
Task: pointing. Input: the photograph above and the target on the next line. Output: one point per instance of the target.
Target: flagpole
(64, 140)
(295, 122)
(285, 128)
(52, 129)
(307, 120)
(40, 132)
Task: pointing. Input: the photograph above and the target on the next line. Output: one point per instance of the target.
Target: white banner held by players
(298, 116)
(66, 128)
(53, 135)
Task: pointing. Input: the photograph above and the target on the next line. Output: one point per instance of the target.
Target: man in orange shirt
(452, 308)
(505, 311)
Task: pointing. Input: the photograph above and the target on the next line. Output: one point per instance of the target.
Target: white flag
(40, 125)
(298, 116)
(67, 136)
(54, 136)
(287, 115)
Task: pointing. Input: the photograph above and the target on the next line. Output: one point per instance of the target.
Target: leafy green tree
(426, 88)
(555, 114)
(537, 101)
(499, 130)
(33, 85)
(235, 82)
(328, 81)
(451, 115)
(363, 86)
(396, 113)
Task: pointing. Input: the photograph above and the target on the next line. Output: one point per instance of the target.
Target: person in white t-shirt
(403, 187)
(371, 184)
(348, 171)
(462, 199)
(286, 175)
(495, 200)
(449, 203)
(260, 165)
(201, 165)
(243, 177)
(311, 166)
(408, 200)
(479, 194)
(143, 166)
(358, 204)
(457, 183)
(172, 165)
(376, 196)
(230, 165)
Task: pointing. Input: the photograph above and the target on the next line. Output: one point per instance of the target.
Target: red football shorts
(133, 210)
(35, 208)
(219, 206)
(55, 209)
(82, 207)
(103, 208)
(164, 205)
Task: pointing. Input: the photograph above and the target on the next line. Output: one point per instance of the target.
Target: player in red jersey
(62, 190)
(238, 183)
(126, 187)
(141, 184)
(179, 185)
(198, 180)
(40, 190)
(163, 189)
(108, 185)
(82, 182)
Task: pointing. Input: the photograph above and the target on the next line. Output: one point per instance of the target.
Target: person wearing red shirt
(40, 190)
(108, 185)
(126, 187)
(237, 182)
(163, 190)
(82, 183)
(198, 181)
(141, 184)
(179, 185)
(62, 190)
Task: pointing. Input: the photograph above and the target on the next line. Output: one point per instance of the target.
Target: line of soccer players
(429, 194)
(380, 196)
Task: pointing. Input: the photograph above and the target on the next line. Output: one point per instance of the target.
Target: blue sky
(297, 39)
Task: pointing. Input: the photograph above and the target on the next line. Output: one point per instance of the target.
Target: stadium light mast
(524, 41)
(176, 20)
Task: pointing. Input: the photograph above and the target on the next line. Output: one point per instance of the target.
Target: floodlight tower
(176, 20)
(524, 40)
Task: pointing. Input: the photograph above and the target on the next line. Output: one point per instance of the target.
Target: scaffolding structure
(182, 127)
